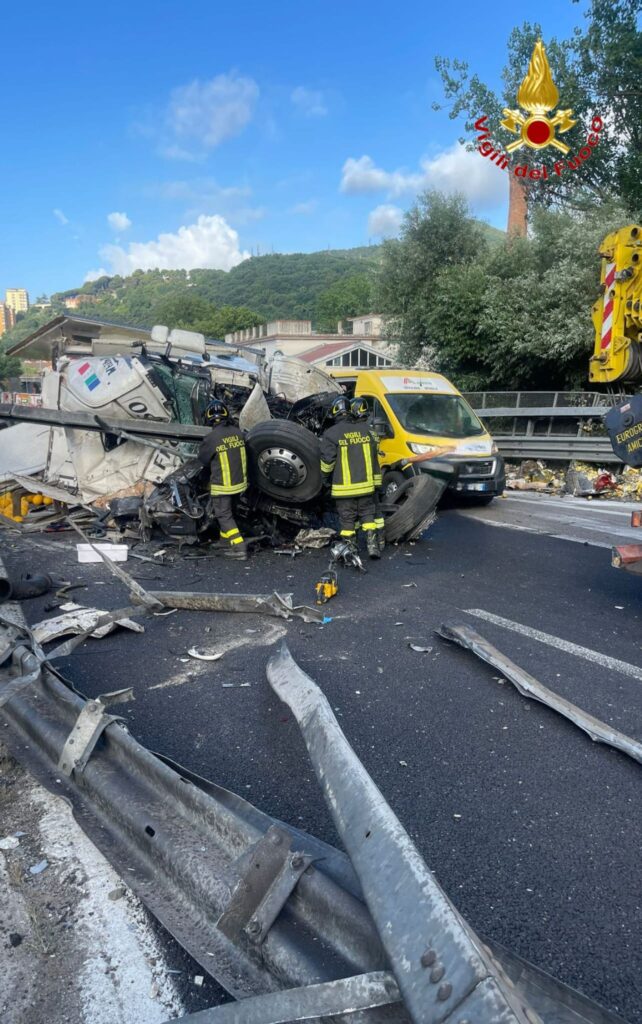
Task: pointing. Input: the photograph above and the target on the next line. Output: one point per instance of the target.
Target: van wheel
(392, 481)
(411, 509)
(285, 460)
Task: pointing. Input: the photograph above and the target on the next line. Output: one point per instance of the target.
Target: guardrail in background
(547, 425)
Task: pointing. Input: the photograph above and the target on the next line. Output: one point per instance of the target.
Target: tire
(392, 481)
(412, 508)
(285, 461)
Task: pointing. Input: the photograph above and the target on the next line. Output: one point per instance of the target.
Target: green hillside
(320, 286)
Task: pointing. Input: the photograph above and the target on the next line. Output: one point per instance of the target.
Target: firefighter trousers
(222, 509)
(353, 510)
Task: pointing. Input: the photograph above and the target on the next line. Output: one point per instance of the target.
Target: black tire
(412, 508)
(285, 461)
(392, 481)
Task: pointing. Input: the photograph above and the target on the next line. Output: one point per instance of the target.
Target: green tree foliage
(597, 71)
(10, 368)
(350, 296)
(437, 233)
(516, 315)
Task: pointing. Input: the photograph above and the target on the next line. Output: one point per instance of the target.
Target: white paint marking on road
(563, 645)
(540, 533)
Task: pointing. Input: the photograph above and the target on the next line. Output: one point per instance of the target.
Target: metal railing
(554, 425)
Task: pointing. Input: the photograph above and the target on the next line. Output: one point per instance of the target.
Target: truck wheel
(411, 509)
(285, 460)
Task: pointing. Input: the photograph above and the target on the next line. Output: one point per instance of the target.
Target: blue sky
(192, 134)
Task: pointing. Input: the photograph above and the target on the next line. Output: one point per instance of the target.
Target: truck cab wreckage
(126, 416)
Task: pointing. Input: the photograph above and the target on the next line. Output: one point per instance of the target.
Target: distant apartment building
(362, 347)
(17, 299)
(7, 318)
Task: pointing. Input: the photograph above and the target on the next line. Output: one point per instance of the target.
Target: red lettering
(534, 174)
(593, 139)
(486, 149)
(521, 170)
(481, 127)
(585, 152)
(597, 123)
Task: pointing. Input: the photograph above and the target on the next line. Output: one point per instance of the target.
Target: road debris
(193, 653)
(38, 868)
(78, 619)
(9, 843)
(94, 552)
(420, 650)
(528, 686)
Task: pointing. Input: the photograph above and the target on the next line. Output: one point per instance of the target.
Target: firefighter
(224, 452)
(359, 413)
(349, 456)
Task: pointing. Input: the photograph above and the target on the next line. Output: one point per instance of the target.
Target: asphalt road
(532, 830)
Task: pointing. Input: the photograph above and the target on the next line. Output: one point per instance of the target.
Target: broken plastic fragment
(9, 843)
(193, 653)
(35, 869)
(421, 650)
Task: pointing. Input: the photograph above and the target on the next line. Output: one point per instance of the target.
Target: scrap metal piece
(411, 911)
(268, 604)
(271, 875)
(26, 666)
(82, 739)
(528, 686)
(137, 592)
(82, 621)
(362, 992)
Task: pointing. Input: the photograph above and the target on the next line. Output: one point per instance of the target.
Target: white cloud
(118, 221)
(385, 221)
(93, 275)
(309, 102)
(207, 113)
(453, 170)
(304, 209)
(210, 242)
(201, 190)
(59, 215)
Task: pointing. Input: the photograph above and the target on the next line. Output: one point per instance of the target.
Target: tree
(10, 368)
(437, 233)
(597, 72)
(348, 297)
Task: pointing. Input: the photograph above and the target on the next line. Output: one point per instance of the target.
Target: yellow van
(415, 414)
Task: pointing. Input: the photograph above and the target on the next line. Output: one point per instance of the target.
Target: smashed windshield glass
(438, 415)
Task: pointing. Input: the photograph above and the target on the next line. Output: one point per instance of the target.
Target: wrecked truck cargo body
(124, 421)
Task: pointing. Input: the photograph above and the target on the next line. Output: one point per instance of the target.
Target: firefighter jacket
(224, 452)
(349, 452)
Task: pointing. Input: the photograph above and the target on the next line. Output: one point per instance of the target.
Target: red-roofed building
(296, 338)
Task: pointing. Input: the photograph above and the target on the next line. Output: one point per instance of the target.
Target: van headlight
(421, 449)
(494, 450)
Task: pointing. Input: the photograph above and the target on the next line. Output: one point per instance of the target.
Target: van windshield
(440, 415)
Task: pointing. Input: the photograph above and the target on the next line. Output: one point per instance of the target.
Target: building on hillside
(17, 299)
(370, 325)
(7, 318)
(73, 301)
(296, 338)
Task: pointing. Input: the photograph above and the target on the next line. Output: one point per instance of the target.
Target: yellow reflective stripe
(237, 540)
(347, 533)
(225, 469)
(217, 489)
(229, 533)
(380, 522)
(367, 454)
(327, 467)
(378, 479)
(345, 466)
(368, 526)
(352, 490)
(244, 463)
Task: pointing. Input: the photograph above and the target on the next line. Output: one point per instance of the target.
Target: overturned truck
(125, 426)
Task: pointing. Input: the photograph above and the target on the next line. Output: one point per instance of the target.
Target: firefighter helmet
(216, 412)
(359, 409)
(339, 407)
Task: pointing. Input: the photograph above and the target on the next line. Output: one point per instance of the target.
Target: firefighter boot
(381, 539)
(372, 543)
(238, 551)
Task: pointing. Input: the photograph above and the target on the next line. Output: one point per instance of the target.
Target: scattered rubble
(580, 480)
